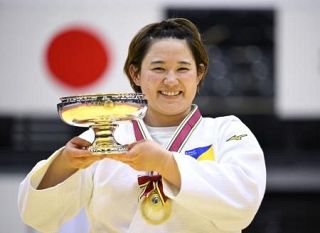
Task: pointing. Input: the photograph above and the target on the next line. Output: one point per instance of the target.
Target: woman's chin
(174, 110)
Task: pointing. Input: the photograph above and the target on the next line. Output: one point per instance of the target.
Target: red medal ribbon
(150, 183)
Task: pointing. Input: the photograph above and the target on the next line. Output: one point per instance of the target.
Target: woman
(182, 173)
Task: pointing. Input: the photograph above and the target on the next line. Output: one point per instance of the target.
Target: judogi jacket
(223, 179)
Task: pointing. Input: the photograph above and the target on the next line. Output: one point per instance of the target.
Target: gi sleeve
(227, 191)
(45, 210)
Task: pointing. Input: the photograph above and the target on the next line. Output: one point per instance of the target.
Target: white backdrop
(298, 49)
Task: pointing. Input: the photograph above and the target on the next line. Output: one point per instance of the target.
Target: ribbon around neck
(150, 183)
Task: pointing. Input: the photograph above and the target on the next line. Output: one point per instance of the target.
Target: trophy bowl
(101, 112)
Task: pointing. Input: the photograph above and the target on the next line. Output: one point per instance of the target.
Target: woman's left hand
(144, 155)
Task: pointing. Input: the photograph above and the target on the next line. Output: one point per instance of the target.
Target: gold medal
(154, 210)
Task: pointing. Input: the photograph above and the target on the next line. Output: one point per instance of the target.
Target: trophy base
(109, 150)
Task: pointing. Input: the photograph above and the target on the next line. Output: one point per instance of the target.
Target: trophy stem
(104, 142)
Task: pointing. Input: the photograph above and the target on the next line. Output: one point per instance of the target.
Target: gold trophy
(101, 112)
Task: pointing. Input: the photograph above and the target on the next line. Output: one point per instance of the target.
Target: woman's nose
(170, 79)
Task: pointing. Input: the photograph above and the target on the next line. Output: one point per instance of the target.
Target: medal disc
(153, 210)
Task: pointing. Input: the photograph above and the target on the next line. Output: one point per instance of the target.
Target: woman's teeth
(170, 93)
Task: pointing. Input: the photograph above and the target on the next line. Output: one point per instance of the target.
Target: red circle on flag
(77, 57)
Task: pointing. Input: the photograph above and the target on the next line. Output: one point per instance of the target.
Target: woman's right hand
(74, 156)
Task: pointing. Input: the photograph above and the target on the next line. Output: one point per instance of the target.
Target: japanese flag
(49, 50)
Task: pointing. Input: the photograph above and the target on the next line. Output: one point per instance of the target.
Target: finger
(78, 153)
(80, 142)
(91, 159)
(124, 157)
(84, 162)
(131, 145)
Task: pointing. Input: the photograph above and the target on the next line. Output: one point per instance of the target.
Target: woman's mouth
(170, 93)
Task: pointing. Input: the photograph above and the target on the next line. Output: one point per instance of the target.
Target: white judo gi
(223, 180)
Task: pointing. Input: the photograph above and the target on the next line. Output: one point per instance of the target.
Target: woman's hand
(73, 157)
(76, 155)
(144, 155)
(147, 155)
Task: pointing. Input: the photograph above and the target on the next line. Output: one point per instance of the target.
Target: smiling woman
(187, 172)
(169, 80)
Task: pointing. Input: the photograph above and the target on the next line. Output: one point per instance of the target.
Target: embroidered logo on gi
(201, 153)
(237, 137)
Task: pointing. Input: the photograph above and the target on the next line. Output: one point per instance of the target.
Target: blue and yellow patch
(201, 153)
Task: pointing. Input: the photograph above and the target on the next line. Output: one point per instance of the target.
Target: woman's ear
(134, 74)
(201, 72)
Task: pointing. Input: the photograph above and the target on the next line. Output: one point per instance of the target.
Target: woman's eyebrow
(184, 62)
(157, 62)
(162, 62)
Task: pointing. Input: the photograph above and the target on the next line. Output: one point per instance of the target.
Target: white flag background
(27, 27)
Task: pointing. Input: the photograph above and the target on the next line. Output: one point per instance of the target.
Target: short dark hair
(178, 28)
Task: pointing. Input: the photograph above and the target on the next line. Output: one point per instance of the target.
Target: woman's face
(168, 77)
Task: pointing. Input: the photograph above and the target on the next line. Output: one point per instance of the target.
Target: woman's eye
(158, 69)
(183, 69)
